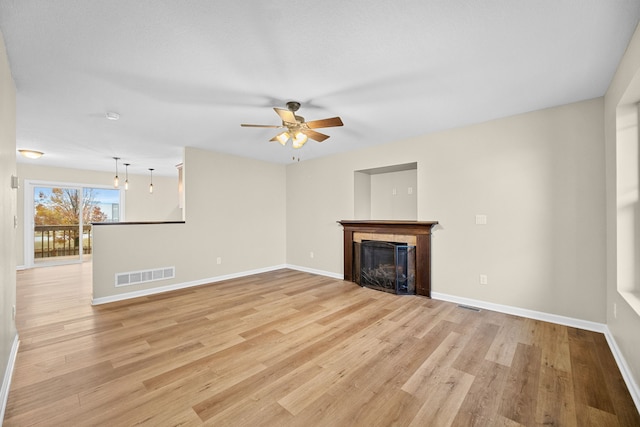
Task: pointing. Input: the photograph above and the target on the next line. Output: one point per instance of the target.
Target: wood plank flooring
(287, 348)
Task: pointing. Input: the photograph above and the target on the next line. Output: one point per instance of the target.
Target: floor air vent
(468, 307)
(144, 276)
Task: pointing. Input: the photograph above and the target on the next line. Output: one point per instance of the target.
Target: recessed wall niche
(387, 193)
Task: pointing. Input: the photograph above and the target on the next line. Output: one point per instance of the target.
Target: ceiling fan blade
(325, 123)
(261, 126)
(316, 136)
(285, 115)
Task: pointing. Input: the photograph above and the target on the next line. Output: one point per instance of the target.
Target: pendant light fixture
(151, 182)
(126, 175)
(116, 181)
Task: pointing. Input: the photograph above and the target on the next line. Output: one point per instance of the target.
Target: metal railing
(61, 240)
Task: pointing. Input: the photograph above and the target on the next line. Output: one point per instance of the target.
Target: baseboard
(21, 267)
(632, 386)
(522, 312)
(634, 390)
(314, 271)
(8, 373)
(183, 285)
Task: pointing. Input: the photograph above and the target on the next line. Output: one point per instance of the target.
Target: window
(58, 219)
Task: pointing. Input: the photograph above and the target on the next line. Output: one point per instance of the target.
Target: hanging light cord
(116, 181)
(151, 182)
(126, 176)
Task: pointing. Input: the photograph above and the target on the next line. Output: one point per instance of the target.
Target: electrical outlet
(311, 254)
(615, 311)
(394, 191)
(410, 190)
(483, 279)
(13, 313)
(219, 260)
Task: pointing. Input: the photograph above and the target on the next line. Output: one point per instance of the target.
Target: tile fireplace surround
(416, 233)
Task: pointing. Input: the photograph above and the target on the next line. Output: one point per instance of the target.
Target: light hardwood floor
(293, 349)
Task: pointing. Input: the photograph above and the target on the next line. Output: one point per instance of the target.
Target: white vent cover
(143, 276)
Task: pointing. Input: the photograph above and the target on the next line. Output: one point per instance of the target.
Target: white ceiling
(187, 73)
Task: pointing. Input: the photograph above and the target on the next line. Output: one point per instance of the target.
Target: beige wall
(539, 178)
(8, 211)
(139, 205)
(623, 321)
(394, 195)
(234, 210)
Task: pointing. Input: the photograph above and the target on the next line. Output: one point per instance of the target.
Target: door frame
(29, 209)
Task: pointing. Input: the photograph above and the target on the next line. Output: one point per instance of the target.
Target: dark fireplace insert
(386, 266)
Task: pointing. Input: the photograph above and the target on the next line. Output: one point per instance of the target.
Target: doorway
(58, 220)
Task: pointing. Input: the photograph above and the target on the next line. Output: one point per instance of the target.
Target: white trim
(523, 312)
(177, 286)
(314, 271)
(633, 388)
(20, 267)
(6, 383)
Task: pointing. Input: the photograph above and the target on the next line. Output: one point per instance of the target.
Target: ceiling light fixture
(151, 182)
(126, 176)
(31, 154)
(116, 181)
(112, 115)
(283, 138)
(299, 139)
(297, 129)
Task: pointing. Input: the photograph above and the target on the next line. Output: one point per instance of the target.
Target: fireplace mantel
(391, 231)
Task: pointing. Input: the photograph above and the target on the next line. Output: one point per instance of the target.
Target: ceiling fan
(297, 129)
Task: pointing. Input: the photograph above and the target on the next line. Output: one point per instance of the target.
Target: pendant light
(116, 181)
(151, 182)
(126, 175)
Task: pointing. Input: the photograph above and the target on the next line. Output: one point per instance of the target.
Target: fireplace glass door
(388, 266)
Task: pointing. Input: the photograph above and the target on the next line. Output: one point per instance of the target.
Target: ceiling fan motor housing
(293, 106)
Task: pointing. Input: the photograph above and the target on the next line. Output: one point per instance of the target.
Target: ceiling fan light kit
(298, 130)
(299, 140)
(283, 138)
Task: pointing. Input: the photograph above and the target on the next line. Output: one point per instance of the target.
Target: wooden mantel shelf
(422, 227)
(420, 230)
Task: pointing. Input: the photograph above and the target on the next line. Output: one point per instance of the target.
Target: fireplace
(388, 267)
(416, 234)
